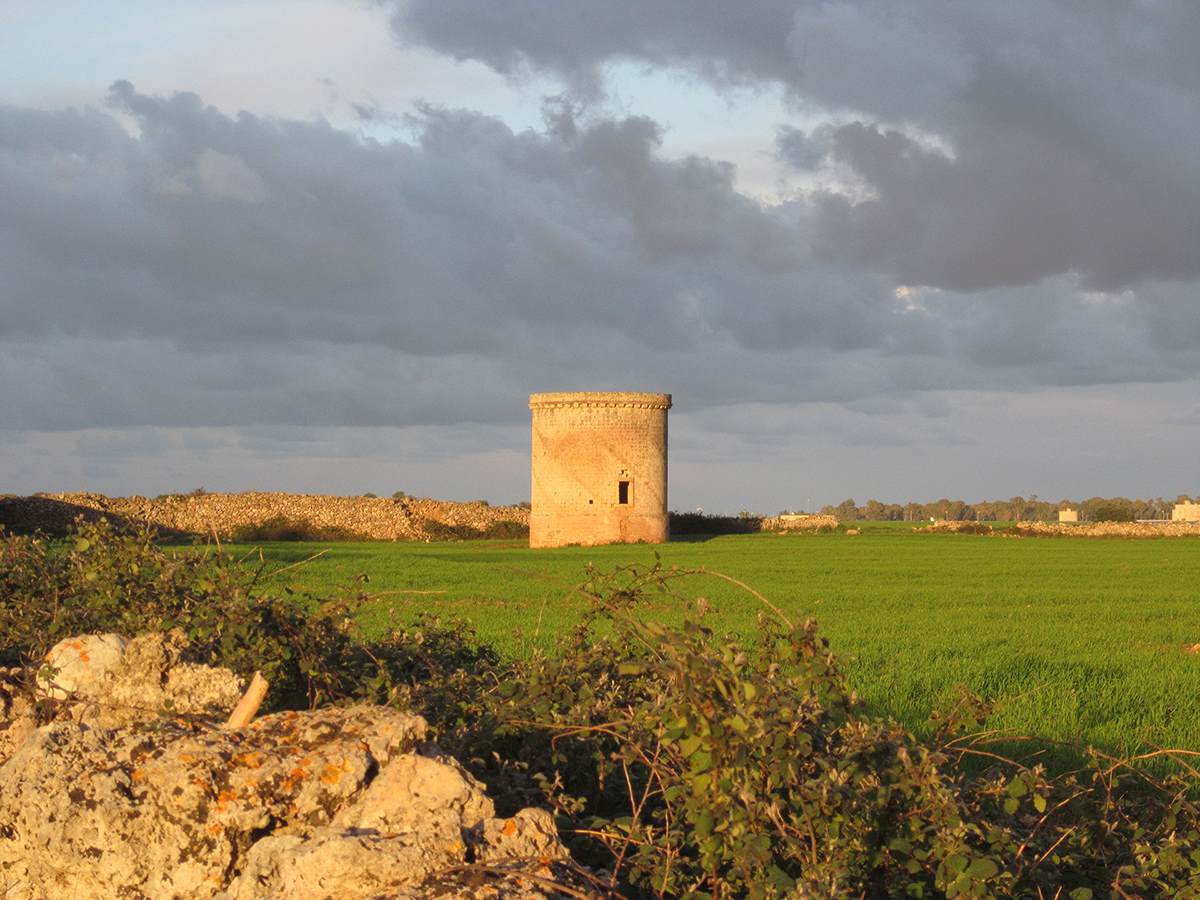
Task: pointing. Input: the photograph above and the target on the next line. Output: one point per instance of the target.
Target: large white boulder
(77, 666)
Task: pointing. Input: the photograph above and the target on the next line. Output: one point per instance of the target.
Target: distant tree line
(1015, 509)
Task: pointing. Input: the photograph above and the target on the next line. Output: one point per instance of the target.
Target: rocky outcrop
(102, 797)
(224, 515)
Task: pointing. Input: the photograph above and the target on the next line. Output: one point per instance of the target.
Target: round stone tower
(599, 468)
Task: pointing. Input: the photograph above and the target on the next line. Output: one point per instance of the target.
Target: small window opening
(623, 493)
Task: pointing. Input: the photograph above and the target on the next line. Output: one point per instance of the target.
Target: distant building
(1186, 512)
(599, 468)
(1068, 515)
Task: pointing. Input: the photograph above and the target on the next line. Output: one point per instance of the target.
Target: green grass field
(1077, 640)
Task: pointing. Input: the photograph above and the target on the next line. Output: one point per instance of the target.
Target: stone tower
(599, 468)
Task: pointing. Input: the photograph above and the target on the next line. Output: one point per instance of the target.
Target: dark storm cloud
(166, 263)
(215, 228)
(203, 268)
(1008, 210)
(729, 43)
(1064, 134)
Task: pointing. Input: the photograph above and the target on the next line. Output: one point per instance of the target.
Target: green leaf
(1039, 803)
(701, 761)
(690, 745)
(982, 868)
(738, 724)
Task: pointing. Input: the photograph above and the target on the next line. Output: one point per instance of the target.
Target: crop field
(1074, 640)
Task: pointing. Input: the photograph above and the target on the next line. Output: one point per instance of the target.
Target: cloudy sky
(874, 249)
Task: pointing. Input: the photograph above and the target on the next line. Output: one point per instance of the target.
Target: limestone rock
(422, 818)
(112, 798)
(530, 834)
(419, 793)
(110, 681)
(17, 719)
(344, 864)
(78, 665)
(167, 808)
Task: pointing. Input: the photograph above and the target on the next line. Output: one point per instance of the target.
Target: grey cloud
(992, 217)
(728, 43)
(304, 276)
(224, 177)
(877, 56)
(214, 269)
(1071, 130)
(456, 462)
(803, 150)
(450, 244)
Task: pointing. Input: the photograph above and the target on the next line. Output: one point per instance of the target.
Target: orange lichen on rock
(224, 798)
(251, 760)
(332, 773)
(345, 802)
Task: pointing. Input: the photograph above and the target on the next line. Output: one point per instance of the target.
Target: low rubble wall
(373, 518)
(793, 522)
(1069, 529)
(1110, 529)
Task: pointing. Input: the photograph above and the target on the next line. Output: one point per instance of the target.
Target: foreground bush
(710, 766)
(107, 579)
(681, 761)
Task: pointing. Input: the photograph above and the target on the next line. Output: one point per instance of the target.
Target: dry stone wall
(374, 518)
(799, 522)
(1065, 529)
(1111, 529)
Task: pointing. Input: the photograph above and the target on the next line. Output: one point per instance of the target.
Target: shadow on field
(30, 515)
(1058, 758)
(976, 756)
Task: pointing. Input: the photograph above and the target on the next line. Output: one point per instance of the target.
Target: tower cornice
(622, 399)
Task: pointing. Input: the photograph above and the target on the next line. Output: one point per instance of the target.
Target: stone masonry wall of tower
(598, 468)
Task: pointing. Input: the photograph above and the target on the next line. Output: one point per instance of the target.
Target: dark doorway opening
(623, 493)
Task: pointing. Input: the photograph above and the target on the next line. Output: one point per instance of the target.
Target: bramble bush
(679, 761)
(705, 765)
(102, 578)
